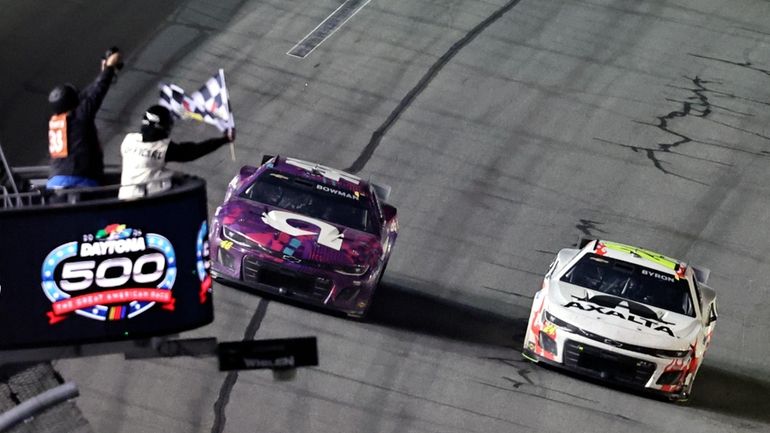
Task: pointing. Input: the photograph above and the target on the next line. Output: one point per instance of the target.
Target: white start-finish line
(323, 31)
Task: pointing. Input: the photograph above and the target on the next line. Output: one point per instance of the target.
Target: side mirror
(246, 171)
(266, 158)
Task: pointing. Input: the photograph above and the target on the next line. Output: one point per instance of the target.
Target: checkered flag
(173, 98)
(210, 104)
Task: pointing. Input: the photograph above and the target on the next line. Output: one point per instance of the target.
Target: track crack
(697, 105)
(220, 419)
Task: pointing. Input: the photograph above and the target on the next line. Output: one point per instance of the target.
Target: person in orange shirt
(77, 159)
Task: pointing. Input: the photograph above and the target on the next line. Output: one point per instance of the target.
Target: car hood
(620, 319)
(304, 238)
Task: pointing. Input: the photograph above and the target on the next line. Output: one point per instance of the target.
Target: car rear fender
(246, 171)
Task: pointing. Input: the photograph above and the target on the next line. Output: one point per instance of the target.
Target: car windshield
(309, 198)
(632, 282)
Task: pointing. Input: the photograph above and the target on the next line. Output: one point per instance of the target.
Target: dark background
(43, 44)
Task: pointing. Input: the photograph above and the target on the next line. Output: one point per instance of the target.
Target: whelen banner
(104, 271)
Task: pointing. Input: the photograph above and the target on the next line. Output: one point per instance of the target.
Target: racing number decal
(328, 236)
(57, 136)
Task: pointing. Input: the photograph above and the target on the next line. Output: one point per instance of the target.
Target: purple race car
(306, 231)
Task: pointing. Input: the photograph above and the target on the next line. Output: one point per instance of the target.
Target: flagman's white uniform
(143, 167)
(145, 154)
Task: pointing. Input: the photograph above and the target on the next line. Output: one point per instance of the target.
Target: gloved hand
(112, 59)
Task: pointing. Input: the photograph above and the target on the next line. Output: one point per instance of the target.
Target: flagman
(145, 154)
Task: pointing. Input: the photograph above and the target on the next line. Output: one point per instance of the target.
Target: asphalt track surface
(507, 130)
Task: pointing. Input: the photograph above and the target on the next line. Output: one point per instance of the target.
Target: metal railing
(36, 194)
(6, 178)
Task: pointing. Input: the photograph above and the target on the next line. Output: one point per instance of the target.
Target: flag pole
(229, 112)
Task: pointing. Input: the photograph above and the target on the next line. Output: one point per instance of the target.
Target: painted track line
(323, 31)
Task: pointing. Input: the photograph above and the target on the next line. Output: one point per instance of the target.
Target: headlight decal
(355, 270)
(560, 323)
(235, 237)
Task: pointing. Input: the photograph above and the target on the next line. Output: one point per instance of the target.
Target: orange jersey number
(57, 136)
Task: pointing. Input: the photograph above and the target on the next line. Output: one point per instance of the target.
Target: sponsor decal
(292, 259)
(658, 275)
(600, 249)
(637, 313)
(115, 274)
(549, 329)
(281, 362)
(335, 191)
(290, 249)
(328, 235)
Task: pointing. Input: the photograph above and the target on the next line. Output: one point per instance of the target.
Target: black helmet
(157, 122)
(63, 98)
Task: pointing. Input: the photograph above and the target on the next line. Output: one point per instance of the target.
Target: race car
(302, 230)
(623, 314)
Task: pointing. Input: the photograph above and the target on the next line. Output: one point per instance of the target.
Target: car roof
(319, 173)
(641, 256)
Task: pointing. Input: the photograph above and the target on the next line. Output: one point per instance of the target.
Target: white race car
(623, 314)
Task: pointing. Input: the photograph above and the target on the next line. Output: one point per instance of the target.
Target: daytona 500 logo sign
(115, 274)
